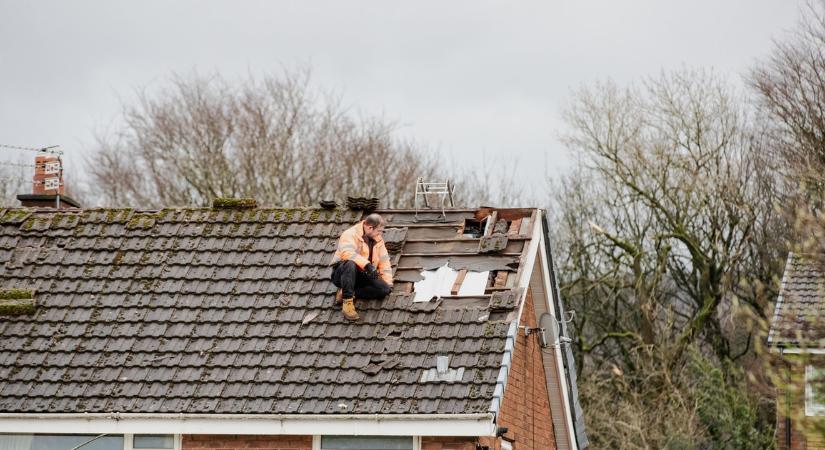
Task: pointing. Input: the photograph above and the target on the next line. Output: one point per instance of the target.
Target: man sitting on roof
(361, 266)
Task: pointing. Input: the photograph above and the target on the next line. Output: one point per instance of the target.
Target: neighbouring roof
(799, 318)
(201, 310)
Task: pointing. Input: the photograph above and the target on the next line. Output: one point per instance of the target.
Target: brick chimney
(47, 185)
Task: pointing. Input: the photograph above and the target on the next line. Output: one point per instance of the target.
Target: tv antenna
(53, 149)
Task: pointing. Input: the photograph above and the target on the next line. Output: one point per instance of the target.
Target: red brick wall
(525, 410)
(448, 443)
(806, 432)
(239, 441)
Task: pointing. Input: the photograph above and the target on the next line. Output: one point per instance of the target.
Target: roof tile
(198, 310)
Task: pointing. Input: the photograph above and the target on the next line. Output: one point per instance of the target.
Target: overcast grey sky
(467, 77)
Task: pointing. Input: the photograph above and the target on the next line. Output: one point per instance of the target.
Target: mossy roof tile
(201, 310)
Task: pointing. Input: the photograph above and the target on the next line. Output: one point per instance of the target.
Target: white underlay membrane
(474, 283)
(437, 283)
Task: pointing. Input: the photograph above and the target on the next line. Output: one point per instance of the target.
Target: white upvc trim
(812, 407)
(267, 424)
(549, 289)
(128, 441)
(799, 351)
(529, 262)
(316, 442)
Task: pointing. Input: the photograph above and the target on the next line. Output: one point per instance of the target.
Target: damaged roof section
(442, 260)
(230, 310)
(446, 281)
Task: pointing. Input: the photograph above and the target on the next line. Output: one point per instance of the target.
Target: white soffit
(372, 424)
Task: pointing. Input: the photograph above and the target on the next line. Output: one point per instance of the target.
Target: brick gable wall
(525, 410)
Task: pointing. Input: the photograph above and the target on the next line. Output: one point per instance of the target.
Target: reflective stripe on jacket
(351, 246)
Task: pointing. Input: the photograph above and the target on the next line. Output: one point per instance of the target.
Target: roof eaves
(481, 424)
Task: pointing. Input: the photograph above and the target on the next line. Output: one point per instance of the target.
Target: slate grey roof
(201, 310)
(800, 310)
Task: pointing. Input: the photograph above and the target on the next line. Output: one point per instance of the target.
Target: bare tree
(13, 181)
(669, 239)
(492, 181)
(274, 139)
(790, 87)
(681, 193)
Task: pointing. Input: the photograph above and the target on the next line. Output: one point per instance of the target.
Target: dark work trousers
(352, 280)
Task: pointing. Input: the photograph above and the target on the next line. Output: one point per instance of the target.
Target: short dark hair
(374, 220)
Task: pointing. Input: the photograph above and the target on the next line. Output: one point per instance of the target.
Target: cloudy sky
(470, 78)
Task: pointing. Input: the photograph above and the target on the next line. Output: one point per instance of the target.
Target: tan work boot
(339, 297)
(348, 309)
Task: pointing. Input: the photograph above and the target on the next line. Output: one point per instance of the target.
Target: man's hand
(371, 271)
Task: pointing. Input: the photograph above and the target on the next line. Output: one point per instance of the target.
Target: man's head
(373, 225)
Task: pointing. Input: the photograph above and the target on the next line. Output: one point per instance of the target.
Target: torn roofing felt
(201, 310)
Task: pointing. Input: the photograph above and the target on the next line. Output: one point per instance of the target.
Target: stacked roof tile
(202, 310)
(362, 203)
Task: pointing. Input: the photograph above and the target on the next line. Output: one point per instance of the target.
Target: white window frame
(128, 441)
(812, 408)
(316, 442)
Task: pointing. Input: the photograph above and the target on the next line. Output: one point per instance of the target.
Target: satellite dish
(549, 327)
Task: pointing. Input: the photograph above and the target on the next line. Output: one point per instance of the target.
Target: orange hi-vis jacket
(351, 246)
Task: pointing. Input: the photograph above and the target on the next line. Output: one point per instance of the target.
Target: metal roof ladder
(443, 190)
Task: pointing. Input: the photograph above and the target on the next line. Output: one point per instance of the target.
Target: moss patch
(143, 220)
(234, 203)
(16, 306)
(15, 294)
(14, 216)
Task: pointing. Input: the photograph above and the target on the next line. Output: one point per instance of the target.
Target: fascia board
(376, 425)
(544, 264)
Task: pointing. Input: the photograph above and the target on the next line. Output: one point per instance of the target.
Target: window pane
(15, 441)
(814, 391)
(154, 441)
(366, 443)
(58, 442)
